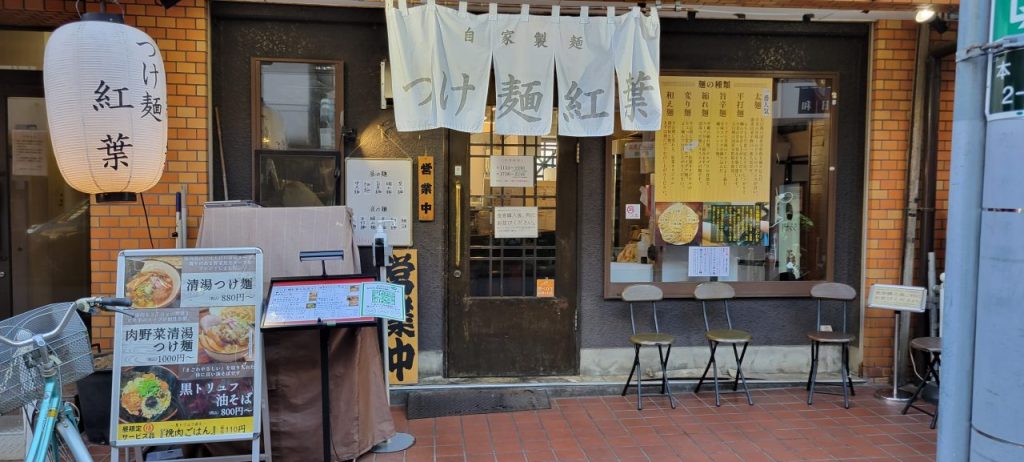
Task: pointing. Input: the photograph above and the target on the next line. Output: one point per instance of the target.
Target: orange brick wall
(890, 118)
(181, 34)
(892, 87)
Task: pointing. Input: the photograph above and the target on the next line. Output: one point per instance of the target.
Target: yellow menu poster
(715, 141)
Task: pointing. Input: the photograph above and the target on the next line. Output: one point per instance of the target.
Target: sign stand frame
(261, 413)
(899, 308)
(324, 329)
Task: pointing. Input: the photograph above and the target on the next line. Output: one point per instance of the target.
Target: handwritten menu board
(186, 363)
(715, 141)
(379, 191)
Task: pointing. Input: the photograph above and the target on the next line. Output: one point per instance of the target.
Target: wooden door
(512, 302)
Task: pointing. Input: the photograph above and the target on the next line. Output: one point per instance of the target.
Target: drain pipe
(913, 186)
(963, 236)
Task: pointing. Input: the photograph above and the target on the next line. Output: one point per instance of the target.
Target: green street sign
(1007, 18)
(1006, 85)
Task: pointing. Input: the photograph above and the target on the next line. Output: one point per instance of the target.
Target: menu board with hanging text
(715, 141)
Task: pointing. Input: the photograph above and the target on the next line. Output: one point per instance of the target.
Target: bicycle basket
(21, 384)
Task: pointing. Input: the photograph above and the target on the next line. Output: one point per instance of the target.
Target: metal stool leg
(846, 346)
(706, 369)
(739, 372)
(667, 389)
(815, 351)
(639, 376)
(736, 383)
(636, 364)
(927, 378)
(844, 374)
(810, 372)
(714, 365)
(661, 360)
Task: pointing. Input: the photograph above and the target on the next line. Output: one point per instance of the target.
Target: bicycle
(35, 362)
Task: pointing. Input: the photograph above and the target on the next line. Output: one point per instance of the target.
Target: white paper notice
(515, 222)
(512, 171)
(708, 261)
(383, 300)
(632, 211)
(29, 152)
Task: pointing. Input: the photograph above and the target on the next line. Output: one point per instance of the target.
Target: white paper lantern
(106, 101)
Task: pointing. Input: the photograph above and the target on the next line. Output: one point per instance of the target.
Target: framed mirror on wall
(298, 110)
(737, 186)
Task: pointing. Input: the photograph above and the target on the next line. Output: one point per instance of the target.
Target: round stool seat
(652, 339)
(830, 337)
(728, 336)
(929, 344)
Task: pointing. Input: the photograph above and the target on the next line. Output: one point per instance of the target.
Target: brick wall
(892, 87)
(890, 118)
(181, 34)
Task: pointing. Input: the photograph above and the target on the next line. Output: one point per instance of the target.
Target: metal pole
(961, 283)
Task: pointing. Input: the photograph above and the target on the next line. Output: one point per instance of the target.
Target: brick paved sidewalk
(779, 427)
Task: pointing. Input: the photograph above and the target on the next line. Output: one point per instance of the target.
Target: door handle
(458, 224)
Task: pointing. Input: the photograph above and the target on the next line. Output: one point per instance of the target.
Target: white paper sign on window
(515, 222)
(524, 73)
(29, 152)
(512, 171)
(586, 75)
(637, 64)
(708, 262)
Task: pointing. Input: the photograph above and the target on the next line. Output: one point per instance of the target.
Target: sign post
(899, 299)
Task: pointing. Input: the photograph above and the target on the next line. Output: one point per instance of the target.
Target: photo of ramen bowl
(225, 333)
(147, 394)
(678, 224)
(156, 285)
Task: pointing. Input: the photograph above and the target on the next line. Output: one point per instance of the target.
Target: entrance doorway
(44, 223)
(512, 304)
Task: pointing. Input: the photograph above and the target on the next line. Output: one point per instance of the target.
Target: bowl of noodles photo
(156, 285)
(225, 333)
(147, 394)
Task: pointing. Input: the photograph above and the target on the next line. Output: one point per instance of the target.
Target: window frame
(744, 289)
(256, 79)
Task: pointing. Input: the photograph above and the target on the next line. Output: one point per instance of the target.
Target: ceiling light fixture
(926, 14)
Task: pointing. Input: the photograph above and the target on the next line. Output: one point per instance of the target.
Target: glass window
(298, 106)
(298, 180)
(297, 120)
(743, 194)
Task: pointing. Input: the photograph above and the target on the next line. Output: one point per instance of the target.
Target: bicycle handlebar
(85, 305)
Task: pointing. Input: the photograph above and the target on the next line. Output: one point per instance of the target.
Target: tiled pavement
(779, 427)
